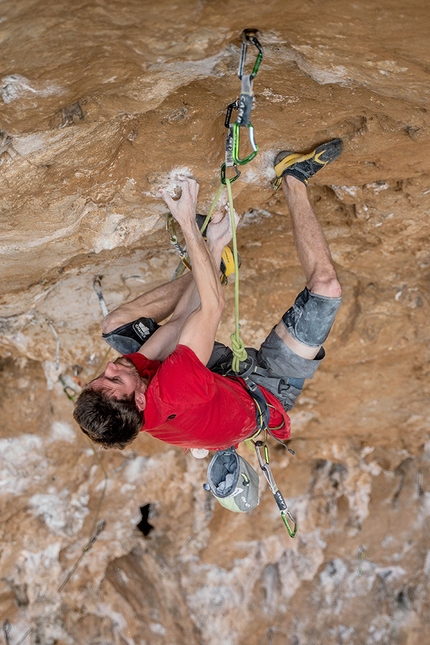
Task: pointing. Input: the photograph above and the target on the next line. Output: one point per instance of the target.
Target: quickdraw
(279, 498)
(244, 106)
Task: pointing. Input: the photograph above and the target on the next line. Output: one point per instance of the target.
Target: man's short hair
(112, 423)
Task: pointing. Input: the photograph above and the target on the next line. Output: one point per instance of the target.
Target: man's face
(119, 380)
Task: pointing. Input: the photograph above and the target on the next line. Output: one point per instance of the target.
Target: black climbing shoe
(303, 167)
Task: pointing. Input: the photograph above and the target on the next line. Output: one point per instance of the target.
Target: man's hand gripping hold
(199, 311)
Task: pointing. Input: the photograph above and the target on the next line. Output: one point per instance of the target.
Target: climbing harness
(244, 106)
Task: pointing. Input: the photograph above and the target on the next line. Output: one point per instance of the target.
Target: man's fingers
(167, 198)
(188, 198)
(218, 217)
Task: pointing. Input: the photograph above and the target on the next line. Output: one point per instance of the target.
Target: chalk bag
(232, 481)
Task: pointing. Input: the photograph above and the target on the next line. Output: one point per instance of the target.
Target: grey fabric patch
(311, 317)
(130, 337)
(220, 360)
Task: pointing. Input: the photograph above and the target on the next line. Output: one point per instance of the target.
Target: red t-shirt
(187, 405)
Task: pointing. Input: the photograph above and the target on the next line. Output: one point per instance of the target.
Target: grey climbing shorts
(275, 366)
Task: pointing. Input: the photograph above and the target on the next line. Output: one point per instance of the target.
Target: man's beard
(126, 362)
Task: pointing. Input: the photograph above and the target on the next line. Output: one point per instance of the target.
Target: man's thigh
(282, 370)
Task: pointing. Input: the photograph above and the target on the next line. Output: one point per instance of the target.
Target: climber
(171, 379)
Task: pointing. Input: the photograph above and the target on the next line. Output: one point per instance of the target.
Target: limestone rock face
(102, 104)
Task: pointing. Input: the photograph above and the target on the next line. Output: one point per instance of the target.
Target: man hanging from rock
(170, 381)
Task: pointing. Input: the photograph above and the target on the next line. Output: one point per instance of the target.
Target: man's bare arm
(159, 304)
(200, 327)
(165, 339)
(177, 299)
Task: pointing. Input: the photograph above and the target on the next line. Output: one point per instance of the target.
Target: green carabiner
(236, 144)
(292, 532)
(256, 65)
(68, 390)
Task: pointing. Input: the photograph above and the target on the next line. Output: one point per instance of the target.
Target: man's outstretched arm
(177, 299)
(200, 325)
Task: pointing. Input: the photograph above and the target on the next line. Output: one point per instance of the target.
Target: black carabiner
(224, 171)
(249, 37)
(229, 110)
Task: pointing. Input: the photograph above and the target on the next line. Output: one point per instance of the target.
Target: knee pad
(311, 317)
(130, 337)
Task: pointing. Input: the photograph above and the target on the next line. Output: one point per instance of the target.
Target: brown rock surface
(101, 103)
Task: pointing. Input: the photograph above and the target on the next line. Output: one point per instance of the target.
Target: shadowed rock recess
(102, 102)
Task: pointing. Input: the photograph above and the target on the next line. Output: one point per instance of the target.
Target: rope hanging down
(232, 150)
(232, 145)
(238, 347)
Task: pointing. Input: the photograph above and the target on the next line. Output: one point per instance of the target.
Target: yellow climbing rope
(238, 347)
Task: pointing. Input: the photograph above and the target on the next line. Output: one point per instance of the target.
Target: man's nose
(110, 369)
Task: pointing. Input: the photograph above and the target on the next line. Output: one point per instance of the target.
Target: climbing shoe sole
(303, 167)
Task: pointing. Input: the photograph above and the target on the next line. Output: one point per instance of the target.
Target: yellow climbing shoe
(303, 167)
(227, 264)
(227, 267)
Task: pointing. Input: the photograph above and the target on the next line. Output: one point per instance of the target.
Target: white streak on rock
(16, 86)
(62, 513)
(19, 458)
(62, 431)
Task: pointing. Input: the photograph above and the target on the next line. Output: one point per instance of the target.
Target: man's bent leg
(323, 292)
(159, 303)
(129, 326)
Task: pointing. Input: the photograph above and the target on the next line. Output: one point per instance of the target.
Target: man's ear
(140, 400)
